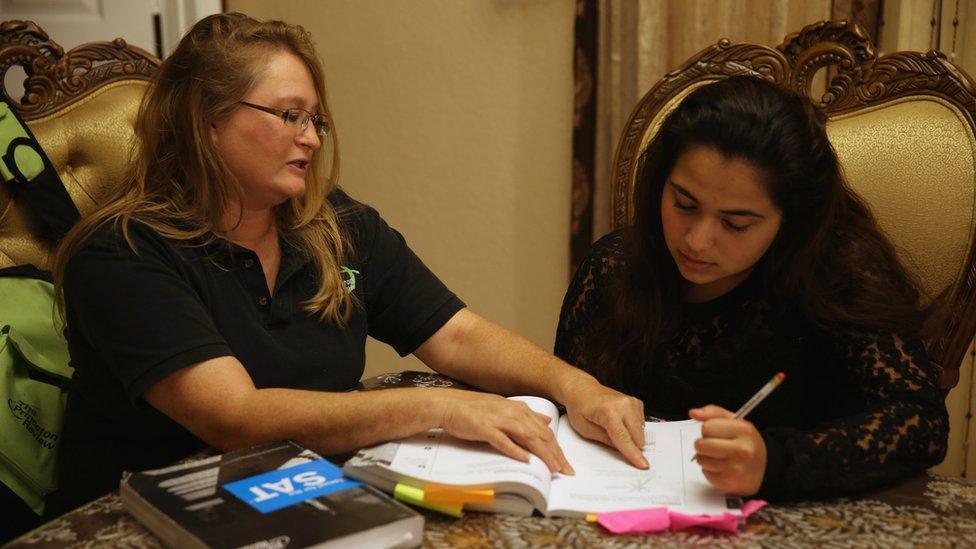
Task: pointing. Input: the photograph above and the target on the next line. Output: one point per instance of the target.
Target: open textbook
(604, 480)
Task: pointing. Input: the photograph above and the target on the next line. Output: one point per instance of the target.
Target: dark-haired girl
(749, 255)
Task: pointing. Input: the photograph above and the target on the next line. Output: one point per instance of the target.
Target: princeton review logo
(26, 415)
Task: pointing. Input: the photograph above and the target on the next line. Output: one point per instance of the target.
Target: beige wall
(455, 122)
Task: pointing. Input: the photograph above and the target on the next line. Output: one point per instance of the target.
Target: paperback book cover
(279, 495)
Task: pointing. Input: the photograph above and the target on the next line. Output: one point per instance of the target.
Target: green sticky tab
(415, 496)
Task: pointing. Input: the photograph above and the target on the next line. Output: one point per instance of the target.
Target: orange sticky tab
(435, 493)
(415, 496)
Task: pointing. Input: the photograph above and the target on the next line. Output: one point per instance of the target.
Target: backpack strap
(32, 177)
(27, 271)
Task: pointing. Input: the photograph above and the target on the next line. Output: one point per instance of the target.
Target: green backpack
(34, 378)
(34, 370)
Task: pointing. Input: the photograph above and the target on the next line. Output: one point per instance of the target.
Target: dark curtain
(867, 13)
(584, 130)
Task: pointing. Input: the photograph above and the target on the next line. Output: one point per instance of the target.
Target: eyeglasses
(297, 117)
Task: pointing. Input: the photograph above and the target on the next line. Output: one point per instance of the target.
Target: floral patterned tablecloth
(928, 510)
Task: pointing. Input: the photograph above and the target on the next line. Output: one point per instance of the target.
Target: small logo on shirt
(350, 277)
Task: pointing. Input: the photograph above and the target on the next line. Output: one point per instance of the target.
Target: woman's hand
(477, 352)
(731, 452)
(600, 413)
(508, 425)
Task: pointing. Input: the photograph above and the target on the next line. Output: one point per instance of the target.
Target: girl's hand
(731, 452)
(508, 425)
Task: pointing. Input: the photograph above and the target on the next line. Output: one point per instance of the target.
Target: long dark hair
(829, 261)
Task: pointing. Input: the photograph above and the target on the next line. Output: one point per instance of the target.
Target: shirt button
(263, 301)
(248, 263)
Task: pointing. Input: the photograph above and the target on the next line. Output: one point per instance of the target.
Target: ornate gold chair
(903, 128)
(81, 106)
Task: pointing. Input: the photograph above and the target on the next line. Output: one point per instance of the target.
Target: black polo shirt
(135, 317)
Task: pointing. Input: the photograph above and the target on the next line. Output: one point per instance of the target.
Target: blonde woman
(224, 294)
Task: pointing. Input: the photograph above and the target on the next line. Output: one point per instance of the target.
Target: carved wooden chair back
(80, 105)
(903, 128)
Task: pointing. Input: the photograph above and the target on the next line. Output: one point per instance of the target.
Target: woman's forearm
(329, 423)
(488, 356)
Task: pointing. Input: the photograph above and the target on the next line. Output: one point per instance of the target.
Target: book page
(437, 457)
(605, 481)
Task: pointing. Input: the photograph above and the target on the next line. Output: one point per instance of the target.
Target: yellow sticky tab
(415, 496)
(436, 493)
(591, 518)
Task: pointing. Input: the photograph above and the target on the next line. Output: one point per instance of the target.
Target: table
(929, 510)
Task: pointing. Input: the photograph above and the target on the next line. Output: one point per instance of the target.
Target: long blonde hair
(177, 182)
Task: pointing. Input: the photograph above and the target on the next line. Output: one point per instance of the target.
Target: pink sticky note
(658, 519)
(726, 522)
(635, 520)
(752, 506)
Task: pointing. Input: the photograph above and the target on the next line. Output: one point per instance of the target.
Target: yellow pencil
(760, 395)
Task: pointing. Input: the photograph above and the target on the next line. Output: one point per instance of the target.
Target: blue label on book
(278, 489)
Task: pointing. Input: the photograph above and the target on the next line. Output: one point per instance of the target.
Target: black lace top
(854, 412)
